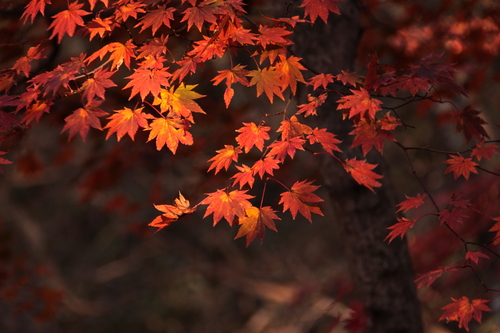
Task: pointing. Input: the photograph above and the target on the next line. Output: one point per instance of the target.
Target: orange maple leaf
(148, 81)
(361, 172)
(179, 101)
(226, 205)
(298, 200)
(235, 74)
(281, 149)
(267, 164)
(400, 228)
(321, 8)
(120, 54)
(36, 110)
(204, 12)
(255, 222)
(82, 119)
(463, 310)
(325, 139)
(33, 8)
(411, 202)
(291, 128)
(97, 85)
(360, 102)
(290, 72)
(347, 77)
(320, 80)
(100, 27)
(252, 135)
(310, 108)
(268, 81)
(172, 213)
(67, 20)
(224, 158)
(273, 35)
(169, 132)
(127, 121)
(22, 64)
(245, 176)
(93, 2)
(128, 9)
(460, 166)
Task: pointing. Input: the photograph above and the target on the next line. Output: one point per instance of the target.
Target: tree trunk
(382, 273)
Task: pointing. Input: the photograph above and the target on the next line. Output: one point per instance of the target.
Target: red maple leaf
(411, 202)
(313, 104)
(452, 217)
(82, 119)
(481, 151)
(281, 149)
(362, 174)
(255, 222)
(470, 123)
(126, 121)
(33, 8)
(204, 12)
(97, 85)
(245, 176)
(268, 81)
(3, 160)
(463, 310)
(428, 278)
(224, 158)
(155, 48)
(148, 81)
(347, 77)
(475, 255)
(154, 18)
(460, 166)
(120, 54)
(36, 110)
(169, 132)
(226, 205)
(23, 64)
(273, 35)
(290, 72)
(496, 227)
(67, 20)
(298, 200)
(252, 135)
(325, 139)
(400, 228)
(267, 164)
(360, 102)
(320, 80)
(321, 8)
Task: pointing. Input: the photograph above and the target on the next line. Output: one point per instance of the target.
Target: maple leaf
(291, 128)
(154, 48)
(325, 139)
(82, 119)
(8, 122)
(120, 54)
(245, 176)
(179, 101)
(267, 164)
(155, 18)
(362, 174)
(273, 35)
(97, 85)
(470, 123)
(59, 77)
(281, 149)
(129, 9)
(310, 108)
(298, 199)
(148, 81)
(171, 213)
(347, 77)
(67, 20)
(460, 166)
(371, 133)
(22, 64)
(36, 110)
(290, 72)
(224, 158)
(481, 151)
(33, 8)
(452, 217)
(255, 222)
(475, 255)
(93, 3)
(204, 12)
(227, 205)
(126, 121)
(496, 227)
(360, 102)
(252, 135)
(235, 74)
(320, 80)
(100, 27)
(169, 132)
(435, 73)
(411, 202)
(268, 81)
(463, 310)
(3, 160)
(321, 8)
(400, 228)
(428, 278)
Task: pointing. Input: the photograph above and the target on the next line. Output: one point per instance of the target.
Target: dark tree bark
(382, 273)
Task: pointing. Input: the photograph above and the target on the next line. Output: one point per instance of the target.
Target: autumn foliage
(152, 50)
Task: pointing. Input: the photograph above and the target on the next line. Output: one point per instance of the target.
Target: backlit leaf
(464, 310)
(227, 205)
(255, 222)
(66, 21)
(460, 166)
(299, 200)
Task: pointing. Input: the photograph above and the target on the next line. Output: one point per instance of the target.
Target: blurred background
(77, 255)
